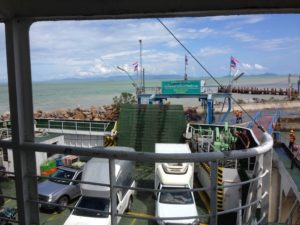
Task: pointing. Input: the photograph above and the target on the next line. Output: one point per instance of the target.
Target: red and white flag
(135, 66)
(233, 62)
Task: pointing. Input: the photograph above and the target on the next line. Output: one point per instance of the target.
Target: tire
(129, 206)
(63, 201)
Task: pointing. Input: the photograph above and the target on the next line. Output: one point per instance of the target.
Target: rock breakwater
(93, 113)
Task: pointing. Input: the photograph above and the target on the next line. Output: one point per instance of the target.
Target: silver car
(60, 191)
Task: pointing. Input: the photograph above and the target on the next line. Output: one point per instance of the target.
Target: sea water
(49, 96)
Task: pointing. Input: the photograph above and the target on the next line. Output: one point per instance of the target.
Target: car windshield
(65, 174)
(101, 204)
(176, 197)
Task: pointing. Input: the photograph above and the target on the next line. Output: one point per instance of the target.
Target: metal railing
(273, 121)
(78, 126)
(5, 133)
(261, 177)
(255, 119)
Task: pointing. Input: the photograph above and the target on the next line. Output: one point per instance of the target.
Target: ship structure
(243, 173)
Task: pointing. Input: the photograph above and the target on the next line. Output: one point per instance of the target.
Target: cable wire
(200, 64)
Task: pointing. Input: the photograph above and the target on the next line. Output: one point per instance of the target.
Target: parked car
(96, 197)
(60, 191)
(175, 181)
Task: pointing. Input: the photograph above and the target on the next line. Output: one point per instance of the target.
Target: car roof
(68, 168)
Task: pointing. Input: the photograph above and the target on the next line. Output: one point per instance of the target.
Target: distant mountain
(267, 74)
(111, 78)
(147, 77)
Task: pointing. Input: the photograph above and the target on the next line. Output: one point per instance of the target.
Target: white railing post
(266, 182)
(49, 121)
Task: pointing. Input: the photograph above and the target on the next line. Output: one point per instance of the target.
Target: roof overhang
(105, 9)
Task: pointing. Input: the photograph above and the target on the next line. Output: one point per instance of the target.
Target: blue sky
(81, 49)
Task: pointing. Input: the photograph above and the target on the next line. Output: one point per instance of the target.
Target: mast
(143, 88)
(230, 78)
(185, 65)
(141, 67)
(290, 87)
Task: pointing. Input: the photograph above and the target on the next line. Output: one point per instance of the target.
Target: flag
(135, 66)
(186, 60)
(233, 62)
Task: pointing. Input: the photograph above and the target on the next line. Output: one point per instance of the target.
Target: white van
(175, 181)
(97, 198)
(83, 217)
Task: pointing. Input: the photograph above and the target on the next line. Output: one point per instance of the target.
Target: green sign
(180, 87)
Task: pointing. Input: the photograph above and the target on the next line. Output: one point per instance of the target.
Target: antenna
(141, 65)
(130, 77)
(236, 77)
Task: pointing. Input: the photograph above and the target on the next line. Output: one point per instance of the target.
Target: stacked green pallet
(141, 126)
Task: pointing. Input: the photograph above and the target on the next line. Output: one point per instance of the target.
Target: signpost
(181, 87)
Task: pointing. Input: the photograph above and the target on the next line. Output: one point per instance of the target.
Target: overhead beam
(95, 9)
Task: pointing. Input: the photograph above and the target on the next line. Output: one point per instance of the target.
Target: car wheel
(63, 202)
(129, 206)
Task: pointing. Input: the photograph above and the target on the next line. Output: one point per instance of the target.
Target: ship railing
(200, 136)
(193, 132)
(260, 179)
(145, 90)
(5, 124)
(255, 119)
(5, 133)
(273, 121)
(77, 126)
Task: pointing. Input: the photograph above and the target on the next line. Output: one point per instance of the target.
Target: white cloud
(120, 54)
(77, 45)
(210, 51)
(244, 37)
(246, 66)
(82, 73)
(250, 19)
(222, 18)
(102, 69)
(96, 69)
(243, 18)
(239, 21)
(252, 67)
(279, 43)
(75, 62)
(172, 44)
(206, 30)
(259, 67)
(95, 48)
